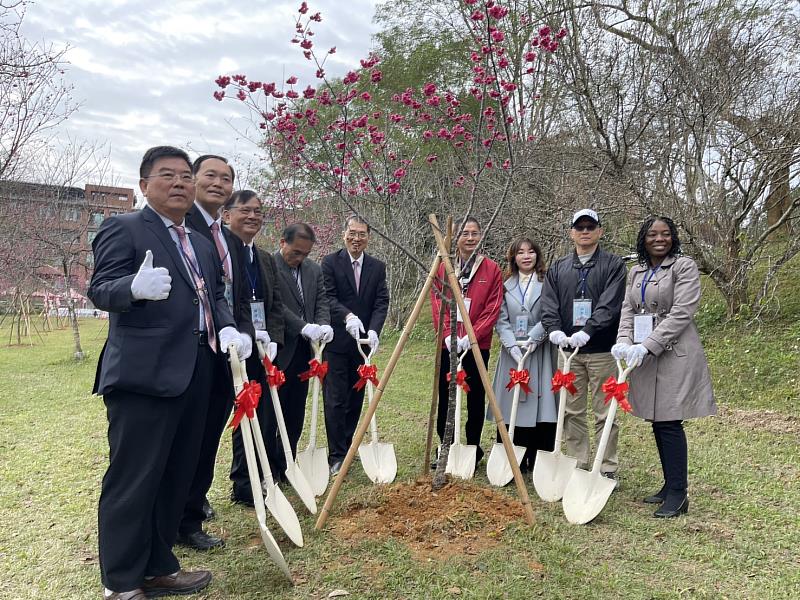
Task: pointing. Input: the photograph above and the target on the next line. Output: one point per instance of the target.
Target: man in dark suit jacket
(307, 318)
(214, 179)
(359, 301)
(162, 286)
(244, 214)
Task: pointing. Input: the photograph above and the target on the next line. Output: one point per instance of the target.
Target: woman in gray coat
(657, 332)
(520, 321)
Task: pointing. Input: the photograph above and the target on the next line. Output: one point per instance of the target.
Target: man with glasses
(581, 304)
(359, 301)
(169, 325)
(214, 179)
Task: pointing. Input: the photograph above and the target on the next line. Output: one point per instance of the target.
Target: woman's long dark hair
(539, 267)
(644, 258)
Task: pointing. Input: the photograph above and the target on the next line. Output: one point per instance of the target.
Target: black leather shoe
(182, 582)
(208, 511)
(658, 497)
(200, 540)
(336, 467)
(245, 499)
(673, 506)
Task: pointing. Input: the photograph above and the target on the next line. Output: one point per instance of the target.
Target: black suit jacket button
(195, 301)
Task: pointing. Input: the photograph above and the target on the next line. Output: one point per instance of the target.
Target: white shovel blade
(551, 473)
(283, 513)
(273, 549)
(313, 462)
(378, 461)
(461, 461)
(586, 495)
(497, 468)
(300, 484)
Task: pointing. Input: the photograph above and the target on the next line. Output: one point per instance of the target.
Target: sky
(143, 71)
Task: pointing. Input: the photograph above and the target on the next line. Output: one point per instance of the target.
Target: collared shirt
(209, 220)
(359, 260)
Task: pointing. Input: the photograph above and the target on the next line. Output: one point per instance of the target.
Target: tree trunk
(73, 318)
(778, 199)
(440, 478)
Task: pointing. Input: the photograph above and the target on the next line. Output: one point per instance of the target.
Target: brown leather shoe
(183, 582)
(136, 594)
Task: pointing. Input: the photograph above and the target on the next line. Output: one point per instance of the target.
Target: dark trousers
(292, 395)
(533, 439)
(476, 398)
(342, 402)
(154, 446)
(673, 451)
(219, 410)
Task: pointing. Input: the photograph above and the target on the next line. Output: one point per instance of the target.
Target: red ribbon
(564, 380)
(520, 378)
(367, 373)
(618, 391)
(461, 379)
(318, 369)
(246, 402)
(275, 376)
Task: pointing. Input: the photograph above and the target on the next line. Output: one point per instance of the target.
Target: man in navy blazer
(359, 301)
(162, 286)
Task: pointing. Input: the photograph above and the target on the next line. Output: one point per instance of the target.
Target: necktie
(199, 284)
(220, 248)
(296, 275)
(357, 274)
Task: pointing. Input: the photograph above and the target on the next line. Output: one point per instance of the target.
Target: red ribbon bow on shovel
(275, 376)
(246, 402)
(519, 377)
(367, 373)
(461, 379)
(619, 391)
(318, 369)
(564, 380)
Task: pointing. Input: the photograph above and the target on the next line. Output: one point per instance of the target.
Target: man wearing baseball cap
(581, 303)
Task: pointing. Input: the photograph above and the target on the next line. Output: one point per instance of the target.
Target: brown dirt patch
(761, 420)
(460, 519)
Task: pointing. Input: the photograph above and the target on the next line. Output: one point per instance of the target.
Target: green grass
(739, 540)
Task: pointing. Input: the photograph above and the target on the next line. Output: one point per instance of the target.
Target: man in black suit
(359, 301)
(162, 286)
(214, 179)
(244, 214)
(307, 319)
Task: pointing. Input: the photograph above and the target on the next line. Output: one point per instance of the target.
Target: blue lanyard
(584, 274)
(525, 293)
(647, 280)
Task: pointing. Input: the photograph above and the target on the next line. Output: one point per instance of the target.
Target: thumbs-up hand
(151, 283)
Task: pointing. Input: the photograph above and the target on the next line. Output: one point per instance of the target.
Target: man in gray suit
(307, 318)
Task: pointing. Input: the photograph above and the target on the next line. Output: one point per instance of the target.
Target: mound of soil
(460, 518)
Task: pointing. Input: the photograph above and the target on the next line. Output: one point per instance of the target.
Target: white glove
(373, 340)
(559, 338)
(272, 351)
(447, 343)
(326, 333)
(311, 332)
(263, 337)
(532, 344)
(515, 353)
(463, 343)
(229, 336)
(151, 283)
(354, 326)
(579, 339)
(619, 350)
(247, 346)
(635, 355)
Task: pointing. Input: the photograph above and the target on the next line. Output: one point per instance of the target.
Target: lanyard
(584, 273)
(525, 293)
(647, 280)
(192, 265)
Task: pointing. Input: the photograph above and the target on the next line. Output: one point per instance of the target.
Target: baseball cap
(586, 212)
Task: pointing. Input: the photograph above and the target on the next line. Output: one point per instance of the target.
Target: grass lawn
(739, 540)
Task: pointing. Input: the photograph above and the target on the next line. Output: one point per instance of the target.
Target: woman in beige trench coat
(657, 332)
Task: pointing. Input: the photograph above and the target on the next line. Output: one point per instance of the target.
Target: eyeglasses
(470, 234)
(356, 235)
(256, 212)
(589, 227)
(169, 177)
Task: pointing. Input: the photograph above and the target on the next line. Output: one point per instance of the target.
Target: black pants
(672, 449)
(476, 398)
(541, 437)
(292, 395)
(154, 447)
(342, 402)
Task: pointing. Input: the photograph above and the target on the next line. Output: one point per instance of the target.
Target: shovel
(587, 492)
(313, 461)
(377, 458)
(293, 473)
(552, 470)
(252, 468)
(461, 459)
(497, 468)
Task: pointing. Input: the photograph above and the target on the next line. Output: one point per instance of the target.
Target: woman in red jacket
(482, 287)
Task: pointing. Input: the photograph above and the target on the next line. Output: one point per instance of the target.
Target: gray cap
(586, 212)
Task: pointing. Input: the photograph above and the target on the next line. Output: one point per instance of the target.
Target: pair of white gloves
(577, 340)
(354, 327)
(517, 352)
(632, 355)
(317, 333)
(462, 344)
(155, 283)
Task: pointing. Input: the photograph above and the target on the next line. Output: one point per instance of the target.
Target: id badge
(228, 291)
(642, 327)
(581, 311)
(521, 326)
(467, 303)
(258, 315)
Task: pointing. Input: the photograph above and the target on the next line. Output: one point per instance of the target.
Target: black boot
(659, 496)
(675, 504)
(674, 461)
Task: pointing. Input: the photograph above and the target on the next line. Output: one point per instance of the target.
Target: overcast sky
(144, 71)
